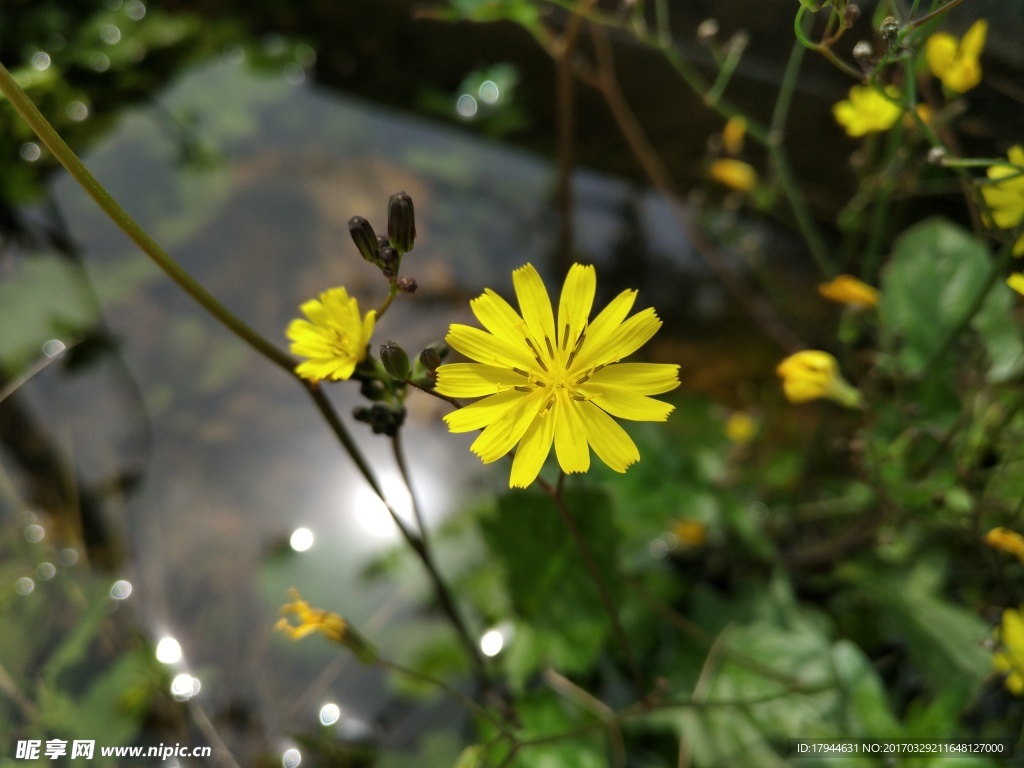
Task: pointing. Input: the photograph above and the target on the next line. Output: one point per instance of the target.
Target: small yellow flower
(330, 625)
(547, 378)
(733, 134)
(868, 110)
(811, 374)
(1006, 540)
(740, 428)
(1010, 659)
(1016, 281)
(734, 174)
(1005, 198)
(847, 289)
(334, 337)
(957, 62)
(690, 533)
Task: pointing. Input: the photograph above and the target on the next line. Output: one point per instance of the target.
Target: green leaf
(936, 272)
(548, 581)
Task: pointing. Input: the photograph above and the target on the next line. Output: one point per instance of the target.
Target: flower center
(554, 370)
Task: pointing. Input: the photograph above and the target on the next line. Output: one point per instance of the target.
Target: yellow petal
(606, 322)
(486, 348)
(629, 405)
(483, 412)
(629, 337)
(1016, 281)
(570, 436)
(497, 316)
(476, 379)
(533, 450)
(500, 436)
(940, 52)
(534, 303)
(609, 441)
(974, 40)
(576, 302)
(641, 378)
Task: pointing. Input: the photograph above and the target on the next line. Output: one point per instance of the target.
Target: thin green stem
(599, 582)
(392, 292)
(801, 211)
(403, 468)
(784, 99)
(434, 393)
(66, 157)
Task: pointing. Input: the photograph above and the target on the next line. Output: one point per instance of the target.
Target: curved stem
(403, 468)
(450, 400)
(602, 588)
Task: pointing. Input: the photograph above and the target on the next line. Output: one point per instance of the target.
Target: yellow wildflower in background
(812, 374)
(1010, 659)
(334, 337)
(867, 110)
(690, 533)
(1016, 281)
(1006, 540)
(734, 174)
(1005, 199)
(740, 428)
(331, 625)
(957, 63)
(733, 134)
(543, 382)
(847, 289)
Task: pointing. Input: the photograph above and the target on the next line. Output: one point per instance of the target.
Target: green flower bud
(430, 358)
(401, 222)
(373, 389)
(407, 285)
(395, 360)
(365, 239)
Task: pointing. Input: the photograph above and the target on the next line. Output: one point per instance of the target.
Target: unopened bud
(890, 30)
(407, 285)
(707, 30)
(937, 156)
(430, 358)
(365, 239)
(401, 222)
(373, 389)
(864, 53)
(383, 242)
(395, 360)
(851, 14)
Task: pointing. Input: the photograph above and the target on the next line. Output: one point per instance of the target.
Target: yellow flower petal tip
(1016, 281)
(957, 63)
(733, 135)
(847, 289)
(813, 374)
(1004, 197)
(331, 625)
(868, 110)
(548, 378)
(333, 336)
(1009, 660)
(734, 174)
(1006, 540)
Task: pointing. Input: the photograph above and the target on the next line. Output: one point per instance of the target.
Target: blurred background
(161, 486)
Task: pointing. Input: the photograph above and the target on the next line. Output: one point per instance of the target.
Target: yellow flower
(1006, 540)
(330, 625)
(868, 110)
(1016, 281)
(740, 427)
(690, 533)
(732, 135)
(334, 338)
(957, 62)
(811, 374)
(543, 383)
(847, 289)
(1005, 199)
(734, 174)
(1011, 658)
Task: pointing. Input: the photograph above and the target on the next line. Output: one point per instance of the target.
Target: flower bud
(373, 390)
(407, 285)
(430, 358)
(864, 53)
(889, 30)
(395, 360)
(401, 222)
(365, 239)
(707, 30)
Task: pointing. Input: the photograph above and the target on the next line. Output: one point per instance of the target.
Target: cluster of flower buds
(386, 251)
(383, 419)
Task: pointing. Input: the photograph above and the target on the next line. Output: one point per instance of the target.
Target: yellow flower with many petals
(957, 63)
(734, 174)
(812, 374)
(1006, 540)
(1010, 659)
(1004, 195)
(545, 378)
(868, 110)
(847, 289)
(334, 337)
